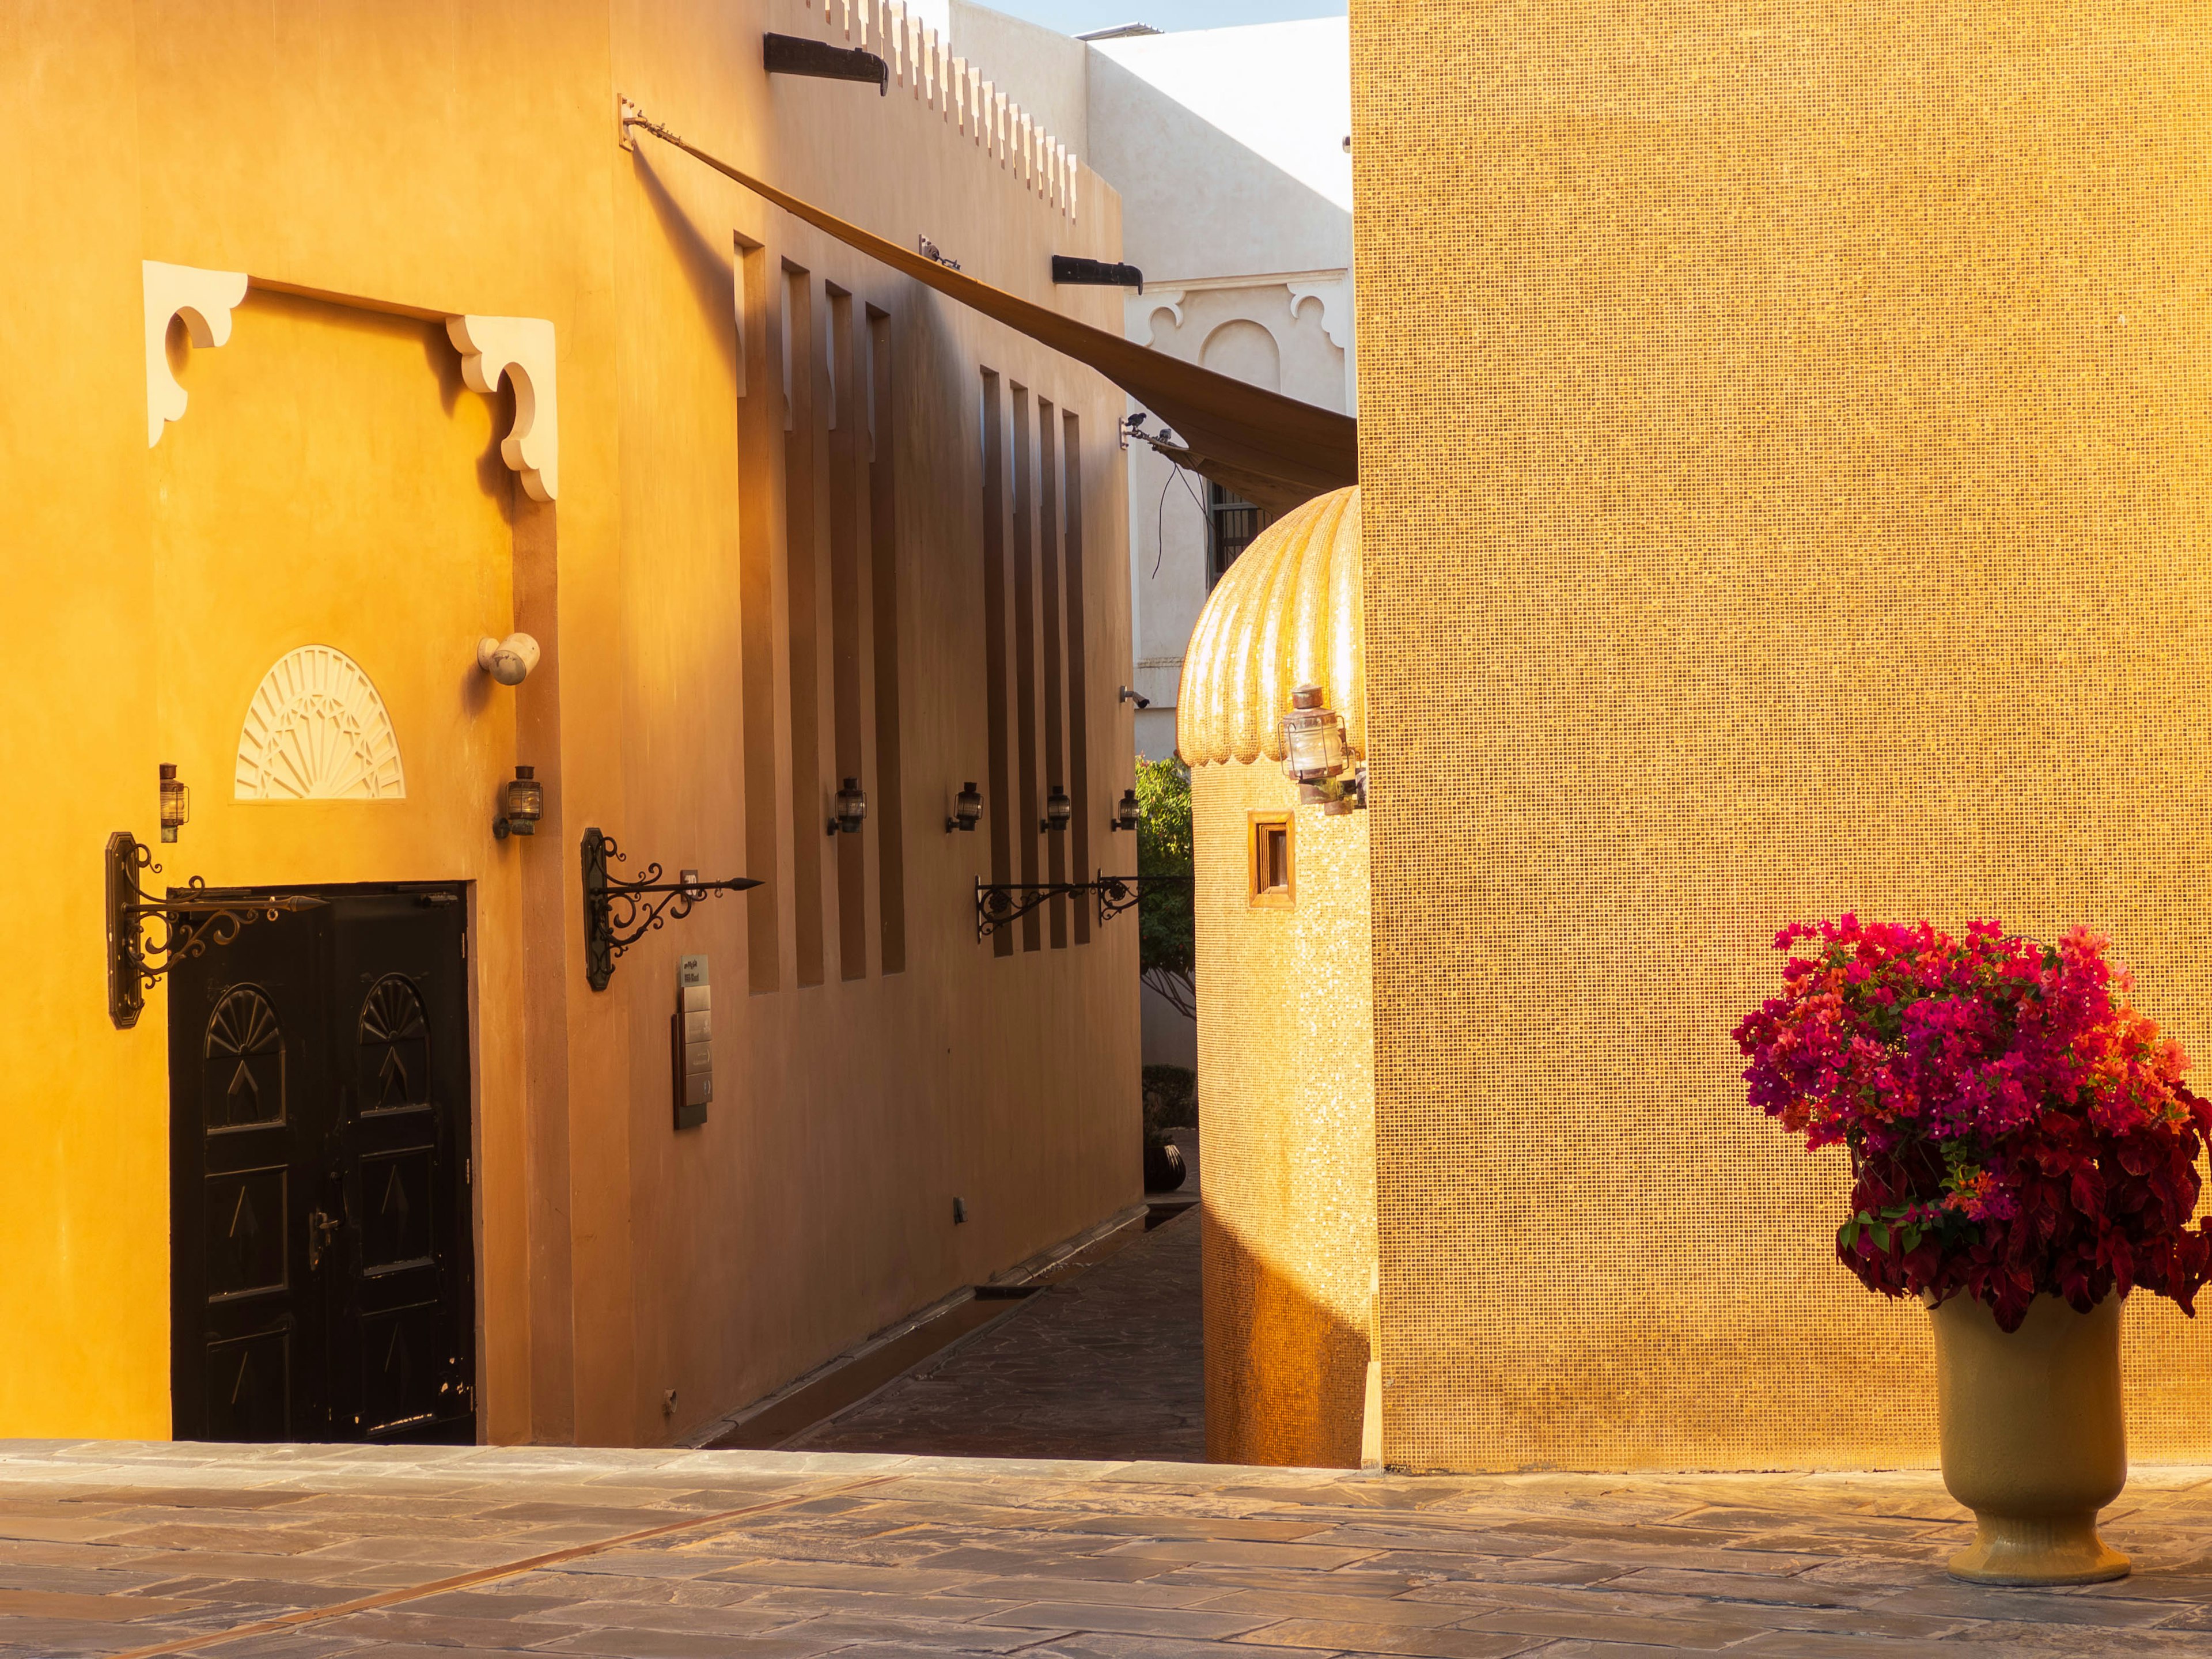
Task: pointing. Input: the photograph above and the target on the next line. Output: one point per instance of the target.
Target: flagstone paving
(1107, 1363)
(473, 1553)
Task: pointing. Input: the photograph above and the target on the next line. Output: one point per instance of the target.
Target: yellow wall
(1285, 1053)
(1785, 482)
(331, 482)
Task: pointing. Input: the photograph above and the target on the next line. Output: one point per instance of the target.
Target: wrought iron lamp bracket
(1001, 904)
(1120, 893)
(617, 913)
(148, 937)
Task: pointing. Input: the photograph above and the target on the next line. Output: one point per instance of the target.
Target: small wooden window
(1273, 860)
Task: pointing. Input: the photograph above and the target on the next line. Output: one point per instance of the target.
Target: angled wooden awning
(1271, 449)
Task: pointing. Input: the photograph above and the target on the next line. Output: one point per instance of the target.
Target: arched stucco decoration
(204, 298)
(1285, 614)
(520, 347)
(317, 730)
(1247, 351)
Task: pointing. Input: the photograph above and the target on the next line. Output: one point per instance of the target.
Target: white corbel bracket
(204, 298)
(520, 349)
(1335, 298)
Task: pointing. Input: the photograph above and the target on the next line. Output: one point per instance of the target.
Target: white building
(1231, 149)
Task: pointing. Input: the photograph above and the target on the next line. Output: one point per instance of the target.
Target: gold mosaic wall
(1785, 480)
(1286, 1153)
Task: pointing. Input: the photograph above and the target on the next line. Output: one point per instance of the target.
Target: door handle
(319, 1229)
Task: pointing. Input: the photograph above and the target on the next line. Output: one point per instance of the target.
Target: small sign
(692, 1030)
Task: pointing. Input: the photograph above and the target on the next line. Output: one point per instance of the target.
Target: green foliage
(1167, 934)
(1170, 1101)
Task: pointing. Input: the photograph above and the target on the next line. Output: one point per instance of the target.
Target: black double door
(322, 1250)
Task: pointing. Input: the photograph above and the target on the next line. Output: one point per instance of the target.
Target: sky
(1078, 16)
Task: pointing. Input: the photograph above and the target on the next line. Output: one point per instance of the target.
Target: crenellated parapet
(923, 68)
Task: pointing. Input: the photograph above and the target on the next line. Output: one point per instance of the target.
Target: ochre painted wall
(1285, 1086)
(1786, 486)
(332, 482)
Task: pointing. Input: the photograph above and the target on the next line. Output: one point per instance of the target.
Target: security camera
(508, 660)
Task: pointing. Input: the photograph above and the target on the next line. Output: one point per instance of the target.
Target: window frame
(1285, 896)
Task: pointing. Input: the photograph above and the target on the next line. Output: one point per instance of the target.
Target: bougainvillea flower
(2016, 1127)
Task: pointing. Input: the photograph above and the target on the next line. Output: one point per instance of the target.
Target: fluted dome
(1285, 614)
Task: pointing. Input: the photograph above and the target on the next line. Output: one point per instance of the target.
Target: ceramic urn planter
(2034, 1439)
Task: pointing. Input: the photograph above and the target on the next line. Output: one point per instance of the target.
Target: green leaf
(1880, 1234)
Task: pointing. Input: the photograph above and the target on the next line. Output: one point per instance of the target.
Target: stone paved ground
(1110, 1363)
(466, 1552)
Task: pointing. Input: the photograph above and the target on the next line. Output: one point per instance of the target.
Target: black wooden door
(321, 1236)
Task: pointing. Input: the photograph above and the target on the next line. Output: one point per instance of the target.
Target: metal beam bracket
(647, 904)
(1001, 904)
(794, 54)
(1095, 273)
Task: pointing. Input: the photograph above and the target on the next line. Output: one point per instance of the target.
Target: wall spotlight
(508, 660)
(176, 802)
(852, 808)
(1130, 694)
(1058, 809)
(1128, 815)
(967, 808)
(521, 803)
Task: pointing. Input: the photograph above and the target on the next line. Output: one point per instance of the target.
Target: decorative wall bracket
(204, 298)
(1001, 904)
(138, 957)
(521, 348)
(645, 905)
(1118, 893)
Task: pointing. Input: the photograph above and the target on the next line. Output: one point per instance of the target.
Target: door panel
(323, 1269)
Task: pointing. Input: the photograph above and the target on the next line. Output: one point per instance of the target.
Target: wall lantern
(1058, 809)
(852, 808)
(1315, 756)
(176, 802)
(1129, 814)
(508, 660)
(521, 803)
(618, 912)
(967, 808)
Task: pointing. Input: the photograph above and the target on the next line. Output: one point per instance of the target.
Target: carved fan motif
(395, 1045)
(317, 730)
(243, 1079)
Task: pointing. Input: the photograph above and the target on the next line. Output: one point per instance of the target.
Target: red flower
(2015, 1126)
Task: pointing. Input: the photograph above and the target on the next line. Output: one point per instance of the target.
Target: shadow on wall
(1286, 1378)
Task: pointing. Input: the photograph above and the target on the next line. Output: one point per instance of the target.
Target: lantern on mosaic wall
(176, 802)
(967, 808)
(1314, 755)
(1058, 809)
(1129, 814)
(521, 803)
(852, 810)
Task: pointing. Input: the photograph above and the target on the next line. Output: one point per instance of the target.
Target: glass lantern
(967, 808)
(521, 803)
(1313, 739)
(176, 802)
(852, 809)
(1058, 809)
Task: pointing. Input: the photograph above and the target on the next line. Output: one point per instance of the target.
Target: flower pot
(2034, 1439)
(1164, 1170)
